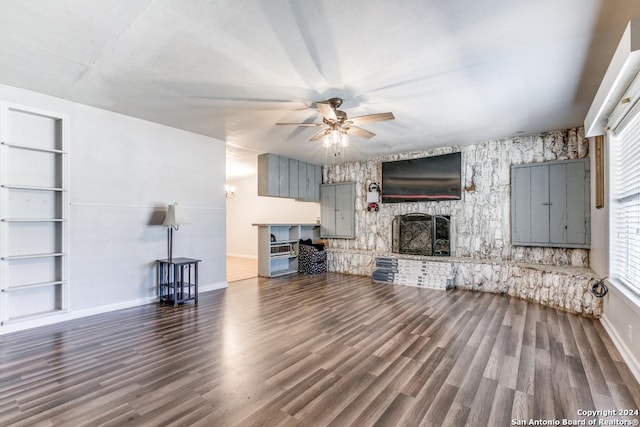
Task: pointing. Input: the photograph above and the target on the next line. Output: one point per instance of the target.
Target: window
(625, 202)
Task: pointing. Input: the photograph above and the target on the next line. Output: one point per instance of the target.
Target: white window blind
(625, 202)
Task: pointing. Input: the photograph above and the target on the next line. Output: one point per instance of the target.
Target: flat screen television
(434, 178)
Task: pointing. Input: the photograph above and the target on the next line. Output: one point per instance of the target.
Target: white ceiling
(452, 72)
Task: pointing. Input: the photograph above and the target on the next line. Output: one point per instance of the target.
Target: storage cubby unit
(278, 247)
(33, 213)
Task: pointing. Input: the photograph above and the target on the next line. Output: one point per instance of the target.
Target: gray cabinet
(273, 175)
(283, 176)
(310, 178)
(293, 179)
(269, 175)
(337, 210)
(302, 180)
(550, 204)
(280, 176)
(315, 178)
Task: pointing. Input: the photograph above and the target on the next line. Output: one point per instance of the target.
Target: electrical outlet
(630, 333)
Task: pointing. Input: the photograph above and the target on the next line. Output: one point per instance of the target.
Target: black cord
(599, 289)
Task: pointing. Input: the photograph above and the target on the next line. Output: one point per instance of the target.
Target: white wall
(123, 173)
(248, 208)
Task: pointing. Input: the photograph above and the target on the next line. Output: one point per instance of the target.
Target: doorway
(240, 268)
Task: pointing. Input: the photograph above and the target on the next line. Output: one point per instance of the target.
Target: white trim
(621, 71)
(35, 111)
(630, 298)
(212, 287)
(627, 355)
(632, 303)
(57, 318)
(50, 320)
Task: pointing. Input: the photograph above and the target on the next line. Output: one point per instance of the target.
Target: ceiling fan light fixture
(326, 140)
(337, 127)
(335, 137)
(344, 139)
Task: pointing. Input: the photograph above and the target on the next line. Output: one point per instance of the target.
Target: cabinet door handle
(547, 204)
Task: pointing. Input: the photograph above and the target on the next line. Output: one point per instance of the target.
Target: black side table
(176, 284)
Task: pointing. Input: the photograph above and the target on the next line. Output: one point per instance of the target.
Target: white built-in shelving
(33, 213)
(278, 247)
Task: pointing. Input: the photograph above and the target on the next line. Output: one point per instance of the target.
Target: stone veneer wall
(480, 222)
(565, 288)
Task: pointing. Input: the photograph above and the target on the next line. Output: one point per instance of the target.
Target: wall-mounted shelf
(33, 256)
(33, 219)
(34, 148)
(32, 285)
(31, 187)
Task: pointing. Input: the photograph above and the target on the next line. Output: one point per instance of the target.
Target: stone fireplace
(421, 234)
(481, 253)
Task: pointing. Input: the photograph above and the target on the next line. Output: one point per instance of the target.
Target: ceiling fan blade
(370, 118)
(362, 133)
(300, 124)
(317, 136)
(327, 111)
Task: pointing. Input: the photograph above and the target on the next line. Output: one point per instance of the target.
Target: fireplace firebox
(421, 234)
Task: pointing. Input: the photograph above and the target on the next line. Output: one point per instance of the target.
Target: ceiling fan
(337, 126)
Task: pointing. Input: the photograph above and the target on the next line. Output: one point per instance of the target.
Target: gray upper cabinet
(293, 179)
(280, 176)
(314, 179)
(302, 180)
(337, 210)
(550, 204)
(269, 175)
(283, 176)
(317, 171)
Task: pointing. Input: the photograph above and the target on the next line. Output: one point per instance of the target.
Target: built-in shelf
(33, 220)
(288, 255)
(279, 242)
(31, 187)
(33, 213)
(33, 148)
(283, 272)
(33, 256)
(280, 256)
(32, 285)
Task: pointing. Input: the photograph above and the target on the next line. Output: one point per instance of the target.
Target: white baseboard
(243, 256)
(71, 315)
(627, 355)
(212, 287)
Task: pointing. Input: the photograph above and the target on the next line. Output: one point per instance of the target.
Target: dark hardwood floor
(315, 350)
